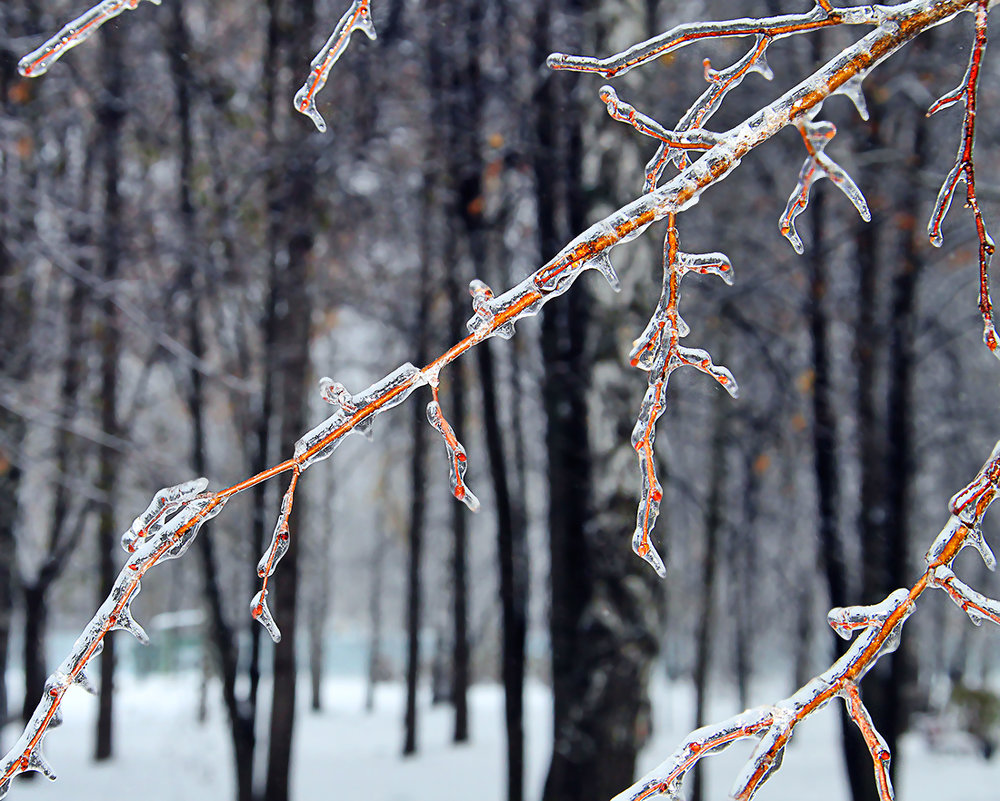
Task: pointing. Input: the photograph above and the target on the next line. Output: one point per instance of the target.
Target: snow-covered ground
(349, 755)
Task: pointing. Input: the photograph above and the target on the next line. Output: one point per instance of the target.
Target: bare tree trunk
(513, 583)
(223, 640)
(714, 522)
(294, 205)
(111, 121)
(597, 700)
(418, 492)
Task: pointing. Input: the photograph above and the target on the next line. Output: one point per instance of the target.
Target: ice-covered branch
(964, 169)
(880, 628)
(172, 521)
(37, 62)
(659, 352)
(357, 18)
(164, 531)
(775, 724)
(824, 15)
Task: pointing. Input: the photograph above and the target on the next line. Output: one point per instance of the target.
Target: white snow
(349, 755)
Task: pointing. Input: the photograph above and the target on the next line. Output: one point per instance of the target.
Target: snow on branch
(37, 62)
(703, 159)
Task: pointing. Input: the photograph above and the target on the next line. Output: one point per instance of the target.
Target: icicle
(458, 461)
(37, 62)
(589, 251)
(643, 436)
(269, 561)
(853, 90)
(82, 678)
(357, 17)
(125, 622)
(38, 763)
(481, 324)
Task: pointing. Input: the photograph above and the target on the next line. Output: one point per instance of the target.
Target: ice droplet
(261, 613)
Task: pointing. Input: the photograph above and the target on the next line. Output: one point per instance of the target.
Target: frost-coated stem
(161, 534)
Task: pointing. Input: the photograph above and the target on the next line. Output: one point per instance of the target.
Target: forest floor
(345, 753)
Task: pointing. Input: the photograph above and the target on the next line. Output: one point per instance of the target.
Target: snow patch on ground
(345, 753)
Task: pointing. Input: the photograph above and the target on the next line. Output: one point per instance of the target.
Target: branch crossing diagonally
(702, 158)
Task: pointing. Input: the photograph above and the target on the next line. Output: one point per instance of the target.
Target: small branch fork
(176, 514)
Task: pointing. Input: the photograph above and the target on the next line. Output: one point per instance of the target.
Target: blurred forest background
(182, 256)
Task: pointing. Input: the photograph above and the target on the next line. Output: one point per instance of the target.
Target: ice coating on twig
(593, 247)
(878, 748)
(845, 620)
(817, 136)
(968, 506)
(775, 724)
(38, 61)
(776, 27)
(354, 413)
(977, 606)
(357, 18)
(170, 524)
(164, 502)
(457, 459)
(964, 170)
(659, 352)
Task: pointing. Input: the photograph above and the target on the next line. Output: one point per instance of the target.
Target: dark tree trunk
(598, 697)
(35, 624)
(223, 639)
(418, 491)
(900, 458)
(513, 582)
(564, 398)
(460, 581)
(293, 207)
(111, 121)
(714, 522)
